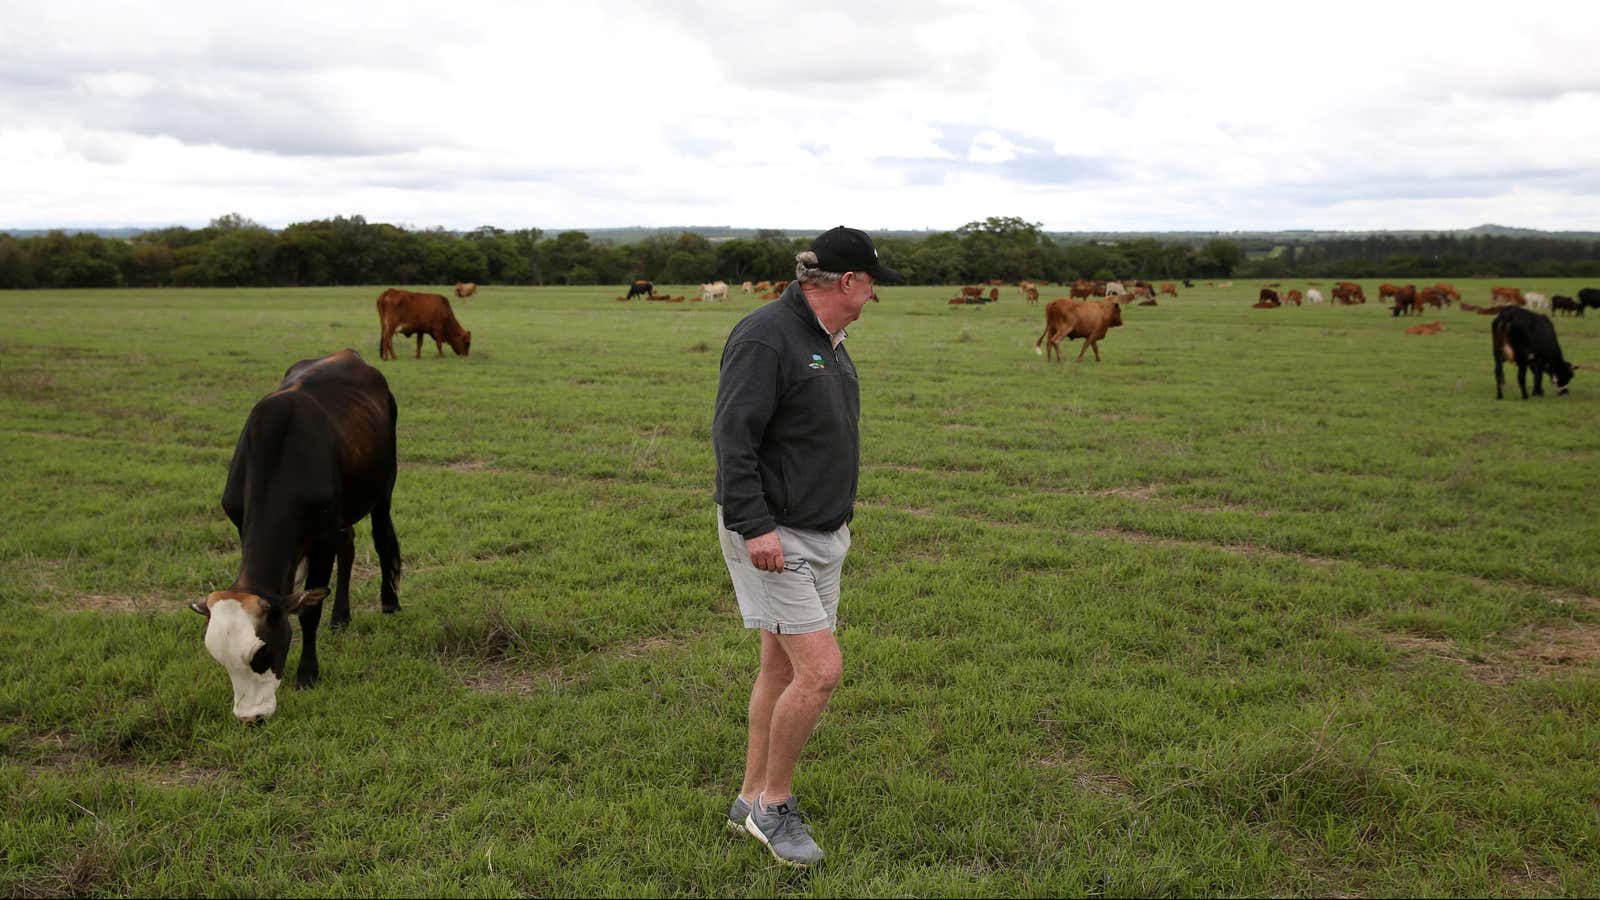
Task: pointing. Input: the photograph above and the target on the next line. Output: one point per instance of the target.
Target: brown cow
(1405, 300)
(1386, 291)
(1082, 290)
(465, 289)
(1426, 328)
(1449, 291)
(1348, 293)
(1502, 296)
(994, 294)
(1433, 297)
(763, 285)
(1032, 294)
(1269, 295)
(1168, 287)
(972, 292)
(1294, 296)
(409, 312)
(1066, 319)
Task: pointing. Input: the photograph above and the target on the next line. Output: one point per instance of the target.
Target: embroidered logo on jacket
(816, 361)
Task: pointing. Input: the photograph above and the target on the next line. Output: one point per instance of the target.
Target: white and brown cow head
(250, 636)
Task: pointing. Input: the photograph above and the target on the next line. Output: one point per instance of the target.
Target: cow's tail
(1040, 341)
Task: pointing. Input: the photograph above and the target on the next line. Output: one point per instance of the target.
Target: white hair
(806, 271)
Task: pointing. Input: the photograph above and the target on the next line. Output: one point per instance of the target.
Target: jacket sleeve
(747, 395)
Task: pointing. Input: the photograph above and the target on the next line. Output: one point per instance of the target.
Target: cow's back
(344, 403)
(412, 310)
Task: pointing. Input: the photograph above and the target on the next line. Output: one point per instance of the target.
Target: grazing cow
(1386, 291)
(465, 289)
(641, 288)
(1529, 340)
(972, 293)
(1348, 293)
(1168, 287)
(1426, 328)
(1294, 296)
(994, 294)
(1187, 283)
(1405, 300)
(1082, 290)
(1433, 297)
(1537, 302)
(716, 290)
(1113, 288)
(1313, 295)
(1449, 291)
(1566, 305)
(1033, 295)
(763, 286)
(315, 457)
(749, 287)
(424, 315)
(1066, 319)
(1024, 286)
(1506, 296)
(1588, 297)
(1269, 294)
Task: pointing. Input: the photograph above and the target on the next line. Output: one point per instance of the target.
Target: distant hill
(633, 234)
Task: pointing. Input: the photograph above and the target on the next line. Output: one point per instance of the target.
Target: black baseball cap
(850, 250)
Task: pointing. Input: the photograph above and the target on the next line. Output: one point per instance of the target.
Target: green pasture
(1268, 602)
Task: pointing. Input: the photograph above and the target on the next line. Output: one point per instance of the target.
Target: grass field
(1269, 602)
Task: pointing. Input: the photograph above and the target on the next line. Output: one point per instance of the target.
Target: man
(788, 455)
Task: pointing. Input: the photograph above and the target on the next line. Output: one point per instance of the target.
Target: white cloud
(904, 114)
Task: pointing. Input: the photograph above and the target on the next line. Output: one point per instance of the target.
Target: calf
(641, 288)
(315, 457)
(1528, 339)
(1068, 319)
(424, 315)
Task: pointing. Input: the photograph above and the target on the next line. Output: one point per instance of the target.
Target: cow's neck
(269, 564)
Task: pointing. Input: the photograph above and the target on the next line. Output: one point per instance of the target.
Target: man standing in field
(788, 456)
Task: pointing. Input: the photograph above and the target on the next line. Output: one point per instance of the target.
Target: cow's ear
(296, 602)
(200, 607)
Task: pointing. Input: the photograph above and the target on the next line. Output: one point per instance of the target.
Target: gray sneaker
(783, 830)
(737, 813)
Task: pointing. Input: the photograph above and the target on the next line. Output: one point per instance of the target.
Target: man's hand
(766, 552)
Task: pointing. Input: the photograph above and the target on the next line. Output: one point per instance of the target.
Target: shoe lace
(790, 818)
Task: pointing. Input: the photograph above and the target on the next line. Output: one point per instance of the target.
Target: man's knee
(823, 678)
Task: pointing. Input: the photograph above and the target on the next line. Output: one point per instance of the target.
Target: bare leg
(776, 674)
(817, 668)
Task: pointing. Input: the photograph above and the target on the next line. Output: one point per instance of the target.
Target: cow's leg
(319, 565)
(1522, 378)
(1538, 380)
(386, 343)
(1087, 343)
(438, 345)
(341, 595)
(388, 547)
(1499, 375)
(419, 345)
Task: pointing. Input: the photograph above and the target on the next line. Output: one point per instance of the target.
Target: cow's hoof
(306, 681)
(339, 623)
(391, 610)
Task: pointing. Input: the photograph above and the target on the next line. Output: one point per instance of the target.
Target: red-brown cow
(1066, 319)
(409, 312)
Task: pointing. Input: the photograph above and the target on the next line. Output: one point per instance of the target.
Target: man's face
(858, 288)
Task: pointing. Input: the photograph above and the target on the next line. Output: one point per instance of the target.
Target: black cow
(641, 288)
(1588, 297)
(1567, 305)
(315, 456)
(1529, 339)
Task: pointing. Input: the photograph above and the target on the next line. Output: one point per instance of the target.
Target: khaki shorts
(804, 597)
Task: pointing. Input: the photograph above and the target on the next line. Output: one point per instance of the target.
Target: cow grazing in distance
(994, 295)
(315, 457)
(716, 290)
(1269, 295)
(1066, 319)
(424, 315)
(1294, 296)
(1113, 288)
(465, 289)
(1405, 300)
(748, 287)
(1529, 340)
(1567, 305)
(1587, 298)
(1082, 290)
(1449, 291)
(1537, 302)
(1313, 296)
(1506, 296)
(763, 286)
(641, 288)
(1348, 293)
(1171, 289)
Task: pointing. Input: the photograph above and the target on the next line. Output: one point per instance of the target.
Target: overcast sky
(919, 114)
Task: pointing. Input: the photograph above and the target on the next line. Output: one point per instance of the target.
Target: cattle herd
(318, 454)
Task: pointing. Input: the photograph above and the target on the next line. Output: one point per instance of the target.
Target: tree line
(233, 251)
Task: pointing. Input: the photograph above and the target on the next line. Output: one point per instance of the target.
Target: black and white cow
(315, 456)
(1529, 340)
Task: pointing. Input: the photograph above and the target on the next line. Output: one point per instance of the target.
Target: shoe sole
(750, 826)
